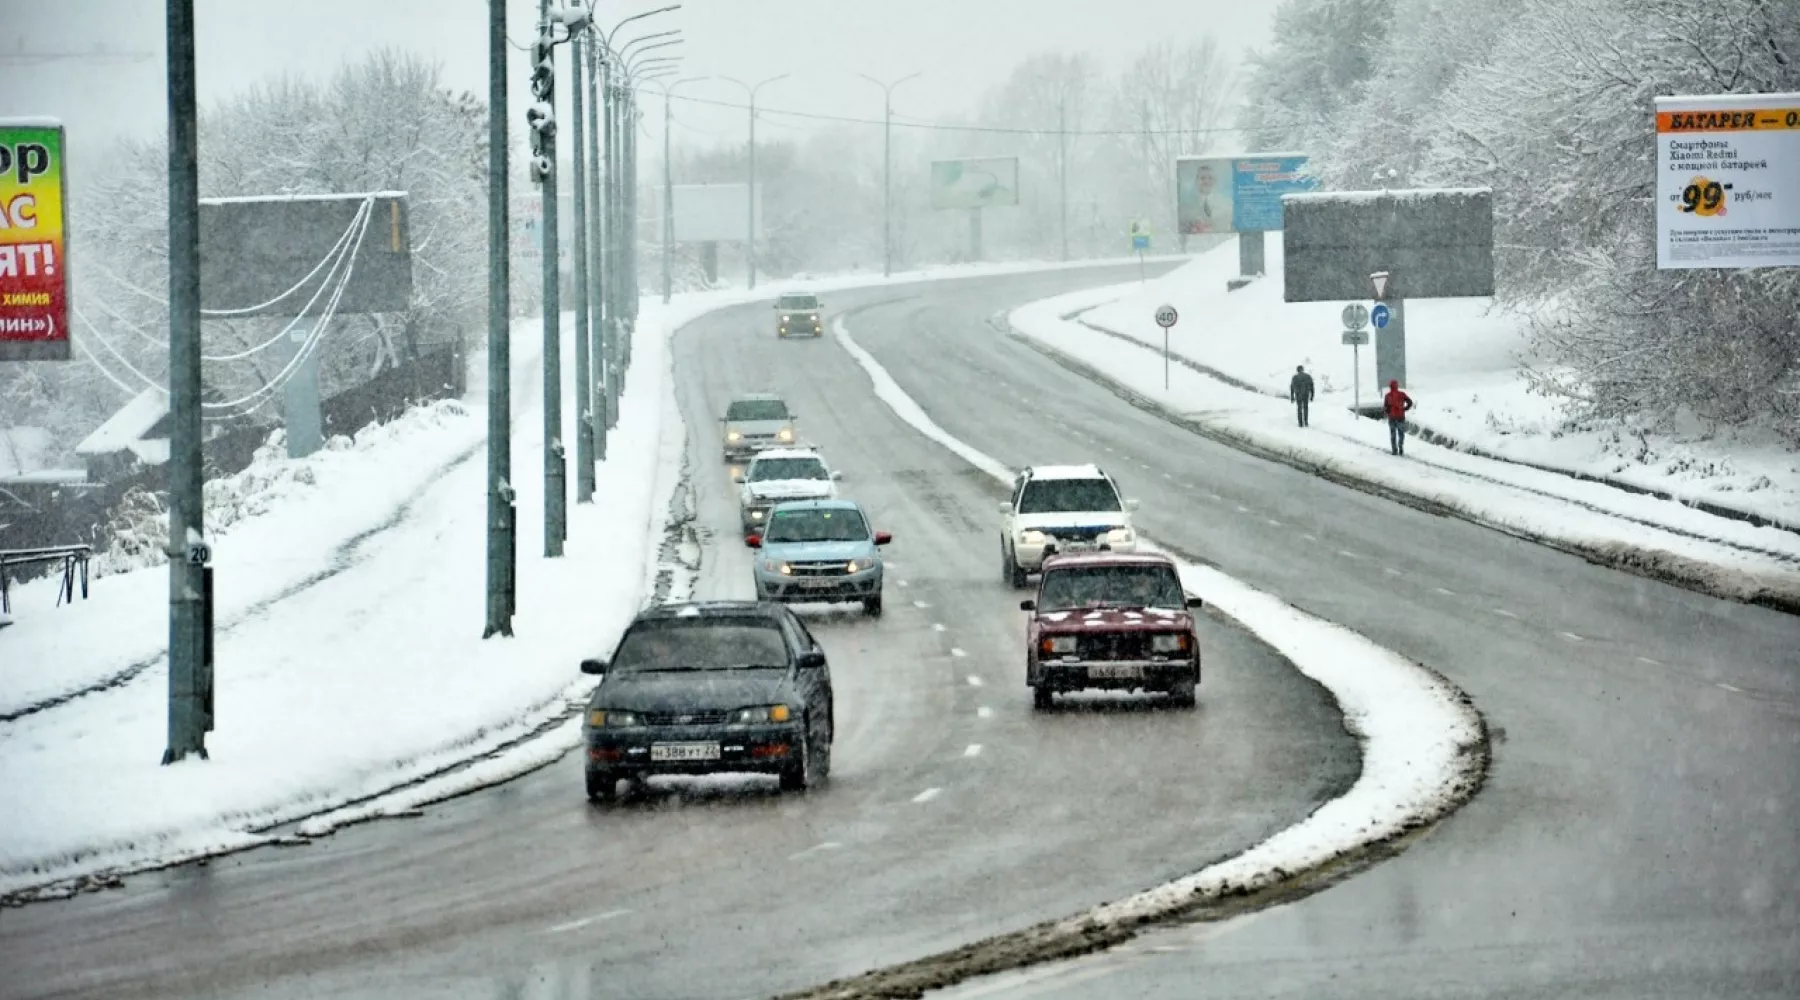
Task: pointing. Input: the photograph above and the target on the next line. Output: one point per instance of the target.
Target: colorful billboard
(34, 273)
(976, 183)
(1236, 194)
(1728, 181)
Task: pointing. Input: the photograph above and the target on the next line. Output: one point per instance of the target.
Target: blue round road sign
(1380, 315)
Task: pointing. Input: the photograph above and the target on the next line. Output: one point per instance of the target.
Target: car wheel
(602, 788)
(1010, 570)
(799, 776)
(1182, 695)
(872, 606)
(1042, 698)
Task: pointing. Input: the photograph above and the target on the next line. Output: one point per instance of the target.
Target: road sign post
(1389, 318)
(1165, 318)
(1355, 338)
(1140, 242)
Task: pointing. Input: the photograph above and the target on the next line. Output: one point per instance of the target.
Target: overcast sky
(961, 46)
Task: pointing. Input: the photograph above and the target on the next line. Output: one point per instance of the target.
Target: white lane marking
(1391, 571)
(928, 794)
(1243, 509)
(984, 712)
(921, 605)
(937, 626)
(1272, 522)
(1109, 449)
(903, 583)
(829, 845)
(1167, 476)
(1215, 496)
(975, 681)
(1445, 591)
(1310, 538)
(575, 925)
(1726, 687)
(972, 750)
(958, 651)
(1502, 612)
(1572, 637)
(1347, 554)
(1646, 659)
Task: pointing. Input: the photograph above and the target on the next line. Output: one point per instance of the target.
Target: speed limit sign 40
(1165, 316)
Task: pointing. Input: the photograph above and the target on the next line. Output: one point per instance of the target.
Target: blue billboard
(1250, 199)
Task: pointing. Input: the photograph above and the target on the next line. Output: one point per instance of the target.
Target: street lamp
(668, 206)
(750, 234)
(626, 48)
(887, 167)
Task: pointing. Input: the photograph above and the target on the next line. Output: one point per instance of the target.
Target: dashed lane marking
(937, 626)
(972, 750)
(1445, 591)
(1502, 612)
(984, 712)
(829, 845)
(1721, 685)
(928, 794)
(1572, 637)
(1391, 571)
(975, 681)
(1347, 554)
(575, 925)
(1646, 659)
(921, 605)
(958, 651)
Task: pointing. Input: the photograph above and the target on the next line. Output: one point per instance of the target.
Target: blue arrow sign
(1380, 315)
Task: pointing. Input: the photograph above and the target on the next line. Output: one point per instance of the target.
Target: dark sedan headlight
(605, 718)
(760, 714)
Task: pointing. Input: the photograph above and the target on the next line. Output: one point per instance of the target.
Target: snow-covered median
(1659, 538)
(1424, 752)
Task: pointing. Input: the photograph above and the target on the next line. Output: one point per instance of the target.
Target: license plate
(1114, 671)
(684, 751)
(818, 584)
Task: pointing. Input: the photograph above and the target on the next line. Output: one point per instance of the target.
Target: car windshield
(767, 469)
(799, 302)
(757, 409)
(1111, 587)
(816, 525)
(668, 645)
(1051, 496)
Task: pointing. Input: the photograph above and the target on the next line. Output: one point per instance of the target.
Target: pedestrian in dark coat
(1395, 404)
(1300, 392)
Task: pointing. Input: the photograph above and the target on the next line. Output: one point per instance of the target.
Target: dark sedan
(706, 688)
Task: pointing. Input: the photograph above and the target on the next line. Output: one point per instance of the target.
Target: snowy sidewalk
(1659, 538)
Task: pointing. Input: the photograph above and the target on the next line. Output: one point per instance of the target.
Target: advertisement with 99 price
(1728, 181)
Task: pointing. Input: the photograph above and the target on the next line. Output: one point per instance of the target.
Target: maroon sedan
(1114, 621)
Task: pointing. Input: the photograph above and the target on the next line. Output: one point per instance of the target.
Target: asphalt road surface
(954, 811)
(1639, 835)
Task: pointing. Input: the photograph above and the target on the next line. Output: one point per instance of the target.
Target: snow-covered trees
(1550, 103)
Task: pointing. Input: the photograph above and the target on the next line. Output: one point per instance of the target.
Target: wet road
(954, 810)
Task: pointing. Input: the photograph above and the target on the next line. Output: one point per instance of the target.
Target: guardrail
(75, 567)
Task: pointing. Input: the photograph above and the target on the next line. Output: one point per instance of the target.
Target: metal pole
(1165, 359)
(555, 477)
(1356, 376)
(750, 233)
(584, 429)
(887, 184)
(1062, 169)
(668, 206)
(189, 683)
(500, 511)
(597, 372)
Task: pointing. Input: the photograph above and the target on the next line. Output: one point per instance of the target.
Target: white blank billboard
(707, 213)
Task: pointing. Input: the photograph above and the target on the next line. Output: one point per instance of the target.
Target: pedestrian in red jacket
(1396, 403)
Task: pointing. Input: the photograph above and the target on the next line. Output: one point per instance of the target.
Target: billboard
(261, 255)
(1236, 194)
(1436, 243)
(34, 273)
(713, 213)
(1728, 181)
(985, 182)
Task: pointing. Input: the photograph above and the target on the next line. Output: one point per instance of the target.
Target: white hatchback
(781, 474)
(1062, 508)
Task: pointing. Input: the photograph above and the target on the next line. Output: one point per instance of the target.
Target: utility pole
(502, 514)
(887, 169)
(1062, 166)
(584, 437)
(190, 572)
(750, 234)
(597, 422)
(668, 205)
(542, 118)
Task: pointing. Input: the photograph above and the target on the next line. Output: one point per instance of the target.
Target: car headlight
(1121, 535)
(760, 714)
(756, 515)
(1174, 642)
(858, 565)
(613, 719)
(1057, 645)
(785, 319)
(785, 434)
(733, 436)
(783, 568)
(1031, 537)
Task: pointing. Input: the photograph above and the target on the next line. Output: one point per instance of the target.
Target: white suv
(1062, 508)
(782, 474)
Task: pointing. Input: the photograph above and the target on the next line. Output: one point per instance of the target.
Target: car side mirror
(753, 541)
(836, 475)
(812, 660)
(1131, 504)
(593, 666)
(1195, 602)
(882, 538)
(1028, 605)
(1006, 507)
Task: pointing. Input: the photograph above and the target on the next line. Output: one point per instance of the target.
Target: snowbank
(1659, 538)
(1424, 752)
(1463, 366)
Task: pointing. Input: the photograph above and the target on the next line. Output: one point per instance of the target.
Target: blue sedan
(819, 550)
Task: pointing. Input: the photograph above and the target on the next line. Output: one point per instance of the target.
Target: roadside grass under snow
(1661, 538)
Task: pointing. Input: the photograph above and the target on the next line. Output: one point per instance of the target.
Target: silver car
(755, 423)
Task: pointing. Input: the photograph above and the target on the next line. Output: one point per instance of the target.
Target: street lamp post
(502, 516)
(668, 205)
(887, 167)
(750, 233)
